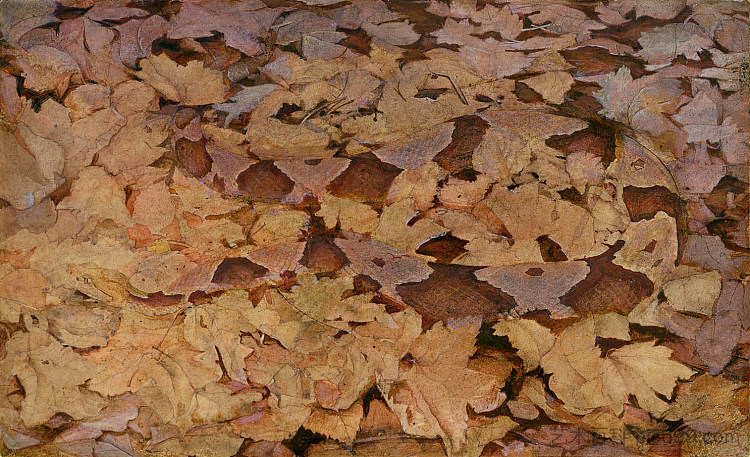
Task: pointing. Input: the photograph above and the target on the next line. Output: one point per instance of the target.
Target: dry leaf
(551, 86)
(50, 375)
(192, 84)
(584, 380)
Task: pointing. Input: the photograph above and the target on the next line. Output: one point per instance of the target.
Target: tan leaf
(348, 214)
(273, 139)
(696, 293)
(191, 84)
(338, 425)
(531, 339)
(156, 364)
(214, 328)
(51, 376)
(97, 194)
(551, 86)
(650, 247)
(395, 231)
(22, 291)
(429, 408)
(567, 224)
(584, 380)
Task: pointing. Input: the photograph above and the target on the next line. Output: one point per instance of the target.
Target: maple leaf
(215, 329)
(584, 380)
(347, 214)
(51, 375)
(530, 338)
(643, 104)
(551, 86)
(709, 404)
(568, 225)
(341, 425)
(191, 84)
(395, 228)
(429, 408)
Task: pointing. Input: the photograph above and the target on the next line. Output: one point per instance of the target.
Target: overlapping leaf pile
(509, 228)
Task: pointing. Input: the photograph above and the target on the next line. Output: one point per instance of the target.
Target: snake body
(113, 288)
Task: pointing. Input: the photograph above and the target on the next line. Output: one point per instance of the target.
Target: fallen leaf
(584, 380)
(50, 375)
(192, 84)
(551, 86)
(431, 409)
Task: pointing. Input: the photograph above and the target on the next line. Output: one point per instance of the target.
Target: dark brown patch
(596, 139)
(608, 287)
(432, 94)
(193, 157)
(572, 195)
(467, 134)
(609, 344)
(263, 181)
(543, 317)
(452, 292)
(534, 271)
(357, 40)
(444, 248)
(718, 200)
(739, 367)
(593, 61)
(551, 251)
(645, 202)
(158, 299)
(527, 94)
(366, 178)
(322, 255)
(364, 284)
(237, 272)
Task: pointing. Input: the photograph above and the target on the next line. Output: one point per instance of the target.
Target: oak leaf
(429, 408)
(52, 376)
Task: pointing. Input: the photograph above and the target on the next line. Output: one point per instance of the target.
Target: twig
(302, 312)
(458, 90)
(537, 27)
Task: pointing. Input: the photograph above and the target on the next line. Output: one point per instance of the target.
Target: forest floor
(407, 228)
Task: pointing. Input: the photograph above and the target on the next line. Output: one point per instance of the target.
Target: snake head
(98, 283)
